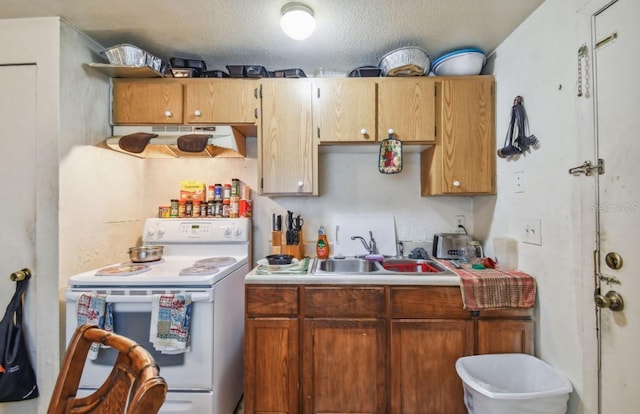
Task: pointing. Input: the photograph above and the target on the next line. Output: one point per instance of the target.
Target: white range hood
(223, 141)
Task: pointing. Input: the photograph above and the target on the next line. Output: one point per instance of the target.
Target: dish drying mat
(494, 288)
(298, 267)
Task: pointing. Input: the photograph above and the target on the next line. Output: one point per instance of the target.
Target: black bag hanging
(17, 377)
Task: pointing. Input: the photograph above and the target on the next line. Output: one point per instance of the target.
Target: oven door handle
(195, 297)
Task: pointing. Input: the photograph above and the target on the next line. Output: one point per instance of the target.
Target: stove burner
(221, 261)
(199, 271)
(124, 269)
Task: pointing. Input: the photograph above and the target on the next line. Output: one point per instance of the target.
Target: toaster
(448, 245)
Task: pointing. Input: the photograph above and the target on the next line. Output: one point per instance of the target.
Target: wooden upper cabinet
(463, 159)
(185, 101)
(407, 105)
(288, 154)
(146, 102)
(231, 101)
(344, 110)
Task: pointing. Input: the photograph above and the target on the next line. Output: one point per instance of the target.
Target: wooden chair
(133, 387)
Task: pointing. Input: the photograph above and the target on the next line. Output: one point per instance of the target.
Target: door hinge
(587, 168)
(318, 132)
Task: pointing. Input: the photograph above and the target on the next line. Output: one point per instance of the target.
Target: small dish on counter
(279, 259)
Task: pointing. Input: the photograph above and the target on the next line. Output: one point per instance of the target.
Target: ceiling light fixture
(297, 20)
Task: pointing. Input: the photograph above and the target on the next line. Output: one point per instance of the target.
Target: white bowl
(459, 63)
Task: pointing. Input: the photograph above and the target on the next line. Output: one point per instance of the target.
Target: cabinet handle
(168, 114)
(197, 112)
(456, 183)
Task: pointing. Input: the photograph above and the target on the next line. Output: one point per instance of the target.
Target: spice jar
(235, 187)
(196, 208)
(182, 208)
(226, 204)
(234, 207)
(173, 209)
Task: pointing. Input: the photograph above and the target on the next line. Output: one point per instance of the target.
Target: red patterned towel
(495, 288)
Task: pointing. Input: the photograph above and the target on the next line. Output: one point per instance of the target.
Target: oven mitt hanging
(517, 142)
(390, 158)
(17, 378)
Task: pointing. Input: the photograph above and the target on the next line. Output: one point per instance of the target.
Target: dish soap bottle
(322, 245)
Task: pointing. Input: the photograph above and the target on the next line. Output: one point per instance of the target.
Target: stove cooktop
(173, 271)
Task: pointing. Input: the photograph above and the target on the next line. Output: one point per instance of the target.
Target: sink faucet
(371, 247)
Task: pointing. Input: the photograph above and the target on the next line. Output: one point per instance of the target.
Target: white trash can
(512, 383)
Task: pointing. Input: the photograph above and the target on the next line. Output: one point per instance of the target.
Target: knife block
(295, 250)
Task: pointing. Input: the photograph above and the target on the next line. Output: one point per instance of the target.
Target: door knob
(612, 300)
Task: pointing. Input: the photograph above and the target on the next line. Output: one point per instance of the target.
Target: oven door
(192, 370)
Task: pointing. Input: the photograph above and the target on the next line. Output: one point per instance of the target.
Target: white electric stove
(207, 258)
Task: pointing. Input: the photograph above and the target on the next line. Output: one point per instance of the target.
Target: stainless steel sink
(346, 266)
(389, 267)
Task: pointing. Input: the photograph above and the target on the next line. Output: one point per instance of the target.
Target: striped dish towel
(495, 288)
(93, 309)
(170, 323)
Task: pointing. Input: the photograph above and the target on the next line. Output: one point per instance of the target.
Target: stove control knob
(151, 232)
(227, 231)
(161, 231)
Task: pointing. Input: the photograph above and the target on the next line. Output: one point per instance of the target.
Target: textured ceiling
(349, 33)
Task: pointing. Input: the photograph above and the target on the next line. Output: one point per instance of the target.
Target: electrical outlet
(519, 181)
(459, 221)
(532, 231)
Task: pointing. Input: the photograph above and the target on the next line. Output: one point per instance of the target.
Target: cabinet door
(407, 105)
(505, 336)
(222, 101)
(344, 110)
(271, 366)
(463, 159)
(423, 357)
(344, 366)
(289, 155)
(147, 102)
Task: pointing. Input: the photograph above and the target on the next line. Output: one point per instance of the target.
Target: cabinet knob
(168, 114)
(300, 184)
(456, 183)
(197, 112)
(363, 131)
(390, 131)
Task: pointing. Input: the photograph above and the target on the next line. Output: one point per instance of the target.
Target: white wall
(539, 62)
(349, 183)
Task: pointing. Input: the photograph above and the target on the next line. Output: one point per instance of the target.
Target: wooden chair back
(133, 386)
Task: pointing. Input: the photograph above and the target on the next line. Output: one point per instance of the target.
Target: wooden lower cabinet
(367, 349)
(344, 366)
(271, 366)
(504, 336)
(423, 357)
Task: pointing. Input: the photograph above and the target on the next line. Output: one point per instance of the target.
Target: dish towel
(171, 323)
(94, 309)
(494, 288)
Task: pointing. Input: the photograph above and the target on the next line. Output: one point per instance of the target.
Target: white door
(18, 194)
(617, 87)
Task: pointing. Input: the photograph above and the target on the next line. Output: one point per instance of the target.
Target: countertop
(353, 279)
